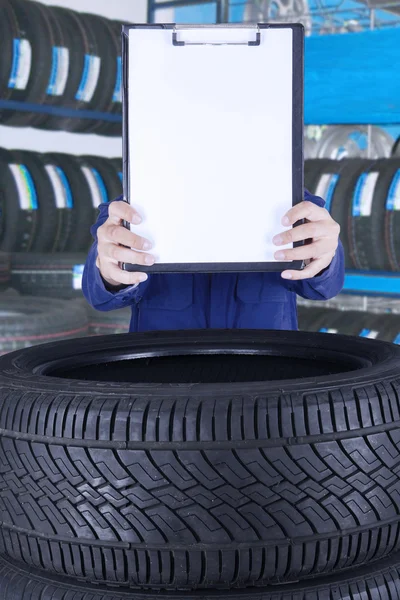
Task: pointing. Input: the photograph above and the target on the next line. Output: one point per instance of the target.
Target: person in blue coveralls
(221, 300)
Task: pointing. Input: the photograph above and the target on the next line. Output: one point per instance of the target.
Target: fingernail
(149, 260)
(136, 219)
(286, 275)
(142, 277)
(279, 255)
(277, 240)
(285, 220)
(147, 245)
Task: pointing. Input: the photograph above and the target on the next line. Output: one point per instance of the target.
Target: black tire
(396, 148)
(80, 43)
(5, 270)
(48, 227)
(391, 216)
(315, 319)
(312, 171)
(379, 581)
(342, 202)
(74, 41)
(105, 323)
(108, 50)
(27, 321)
(56, 275)
(387, 327)
(19, 214)
(28, 22)
(108, 174)
(367, 255)
(117, 164)
(245, 479)
(78, 219)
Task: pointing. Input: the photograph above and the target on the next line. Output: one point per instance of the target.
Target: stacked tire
(50, 201)
(57, 58)
(238, 465)
(379, 326)
(363, 196)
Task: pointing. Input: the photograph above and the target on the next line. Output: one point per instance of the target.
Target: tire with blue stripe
(108, 174)
(50, 275)
(78, 218)
(312, 170)
(82, 48)
(375, 238)
(108, 48)
(48, 228)
(29, 34)
(341, 207)
(20, 216)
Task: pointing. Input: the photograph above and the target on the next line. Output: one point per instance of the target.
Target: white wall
(74, 143)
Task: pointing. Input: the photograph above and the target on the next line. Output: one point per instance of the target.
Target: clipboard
(213, 142)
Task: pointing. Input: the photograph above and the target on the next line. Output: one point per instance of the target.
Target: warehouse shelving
(60, 111)
(372, 283)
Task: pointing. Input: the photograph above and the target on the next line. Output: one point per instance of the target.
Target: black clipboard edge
(297, 159)
(259, 267)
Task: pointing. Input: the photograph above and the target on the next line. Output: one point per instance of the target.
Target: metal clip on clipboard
(187, 28)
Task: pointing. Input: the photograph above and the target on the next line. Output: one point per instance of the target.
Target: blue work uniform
(220, 300)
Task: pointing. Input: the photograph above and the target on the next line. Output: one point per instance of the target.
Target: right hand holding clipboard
(116, 245)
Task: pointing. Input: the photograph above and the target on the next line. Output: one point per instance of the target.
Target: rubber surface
(367, 240)
(47, 233)
(29, 23)
(385, 327)
(56, 275)
(27, 321)
(5, 270)
(18, 226)
(108, 322)
(379, 581)
(201, 485)
(342, 202)
(79, 219)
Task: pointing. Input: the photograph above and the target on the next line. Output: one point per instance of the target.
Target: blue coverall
(222, 300)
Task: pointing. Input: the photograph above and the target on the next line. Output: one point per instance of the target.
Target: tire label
(77, 274)
(97, 186)
(61, 187)
(59, 71)
(117, 96)
(21, 64)
(90, 78)
(326, 187)
(327, 330)
(364, 194)
(26, 188)
(397, 339)
(393, 197)
(368, 333)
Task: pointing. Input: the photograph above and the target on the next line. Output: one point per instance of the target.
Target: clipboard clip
(180, 42)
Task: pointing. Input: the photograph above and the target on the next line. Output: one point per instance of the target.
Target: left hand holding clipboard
(320, 228)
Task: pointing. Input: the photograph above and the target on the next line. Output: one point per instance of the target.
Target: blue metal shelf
(59, 111)
(372, 283)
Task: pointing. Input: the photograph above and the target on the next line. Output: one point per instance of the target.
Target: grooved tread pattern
(380, 582)
(276, 511)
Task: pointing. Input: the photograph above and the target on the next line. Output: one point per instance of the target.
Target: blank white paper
(210, 143)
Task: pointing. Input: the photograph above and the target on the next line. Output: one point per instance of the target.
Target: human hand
(320, 228)
(117, 244)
